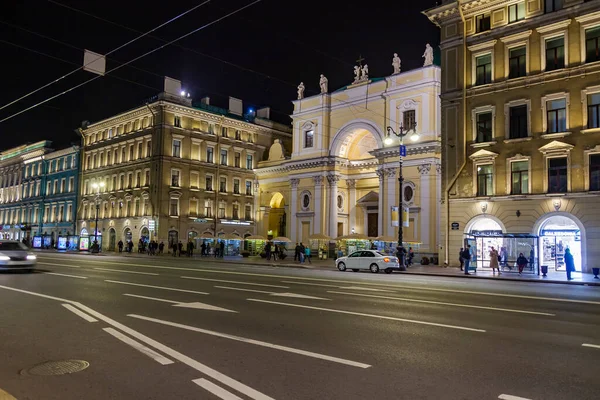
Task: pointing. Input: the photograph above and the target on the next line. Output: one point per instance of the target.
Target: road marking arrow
(197, 305)
(298, 296)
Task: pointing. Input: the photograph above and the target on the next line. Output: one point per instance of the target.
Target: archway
(482, 233)
(145, 235)
(558, 232)
(356, 140)
(112, 238)
(277, 216)
(173, 238)
(127, 235)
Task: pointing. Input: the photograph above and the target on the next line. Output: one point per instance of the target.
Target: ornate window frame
(480, 158)
(482, 110)
(507, 107)
(586, 22)
(302, 195)
(517, 158)
(513, 41)
(550, 97)
(556, 149)
(411, 201)
(479, 50)
(550, 32)
(586, 165)
(584, 108)
(306, 127)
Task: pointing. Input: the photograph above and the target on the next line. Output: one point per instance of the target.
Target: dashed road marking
(139, 347)
(67, 275)
(156, 287)
(236, 282)
(126, 272)
(595, 346)
(80, 313)
(216, 390)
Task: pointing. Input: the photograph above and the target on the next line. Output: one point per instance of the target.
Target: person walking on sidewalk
(494, 260)
(190, 248)
(461, 259)
(466, 255)
(297, 252)
(569, 263)
(307, 254)
(120, 244)
(521, 262)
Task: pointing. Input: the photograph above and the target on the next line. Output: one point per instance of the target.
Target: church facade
(341, 174)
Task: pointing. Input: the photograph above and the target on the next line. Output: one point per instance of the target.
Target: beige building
(520, 126)
(340, 177)
(171, 171)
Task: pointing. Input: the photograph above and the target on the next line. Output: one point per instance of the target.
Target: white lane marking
(139, 347)
(156, 287)
(412, 321)
(80, 313)
(595, 346)
(443, 303)
(196, 305)
(215, 271)
(255, 342)
(127, 272)
(58, 265)
(298, 296)
(236, 282)
(364, 288)
(216, 390)
(243, 289)
(511, 397)
(190, 362)
(67, 275)
(311, 284)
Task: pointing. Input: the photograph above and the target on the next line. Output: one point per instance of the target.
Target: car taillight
(386, 259)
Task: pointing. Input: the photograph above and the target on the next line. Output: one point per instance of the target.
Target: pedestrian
(494, 260)
(521, 262)
(130, 246)
(174, 248)
(461, 259)
(503, 259)
(268, 250)
(411, 255)
(180, 247)
(302, 253)
(297, 252)
(207, 249)
(203, 249)
(569, 263)
(161, 247)
(275, 252)
(216, 250)
(222, 249)
(190, 248)
(307, 254)
(466, 255)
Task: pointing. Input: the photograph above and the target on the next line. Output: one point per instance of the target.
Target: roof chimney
(264, 113)
(205, 100)
(172, 86)
(236, 106)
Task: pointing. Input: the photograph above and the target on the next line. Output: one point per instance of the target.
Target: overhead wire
(110, 52)
(135, 59)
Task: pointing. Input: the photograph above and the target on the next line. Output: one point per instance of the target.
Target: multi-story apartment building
(38, 194)
(15, 217)
(171, 171)
(520, 126)
(49, 196)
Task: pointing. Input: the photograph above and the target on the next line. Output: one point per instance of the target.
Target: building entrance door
(372, 225)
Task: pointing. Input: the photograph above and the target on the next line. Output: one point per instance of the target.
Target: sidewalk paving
(435, 270)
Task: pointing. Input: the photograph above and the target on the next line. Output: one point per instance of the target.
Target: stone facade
(170, 171)
(520, 100)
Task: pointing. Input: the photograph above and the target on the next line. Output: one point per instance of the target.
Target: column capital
(380, 173)
(333, 179)
(318, 179)
(351, 183)
(424, 169)
(295, 182)
(438, 168)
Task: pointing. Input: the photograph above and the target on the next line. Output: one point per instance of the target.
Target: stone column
(425, 203)
(264, 218)
(294, 209)
(318, 199)
(380, 173)
(438, 202)
(392, 190)
(256, 217)
(351, 204)
(333, 210)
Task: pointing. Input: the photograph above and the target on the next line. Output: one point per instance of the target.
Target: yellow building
(520, 126)
(171, 172)
(341, 178)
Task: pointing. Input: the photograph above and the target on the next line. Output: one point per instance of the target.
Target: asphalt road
(166, 328)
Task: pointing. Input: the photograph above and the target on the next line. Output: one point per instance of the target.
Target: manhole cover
(57, 367)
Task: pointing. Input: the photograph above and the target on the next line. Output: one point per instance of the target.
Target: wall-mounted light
(557, 204)
(484, 206)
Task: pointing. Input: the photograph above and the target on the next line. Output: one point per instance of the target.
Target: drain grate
(61, 367)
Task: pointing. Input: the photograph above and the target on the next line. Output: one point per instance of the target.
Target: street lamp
(97, 187)
(402, 132)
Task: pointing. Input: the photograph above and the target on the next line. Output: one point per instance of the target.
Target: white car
(15, 255)
(368, 259)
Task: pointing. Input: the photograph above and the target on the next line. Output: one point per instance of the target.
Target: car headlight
(4, 258)
(31, 257)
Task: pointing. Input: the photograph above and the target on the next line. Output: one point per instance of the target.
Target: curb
(491, 278)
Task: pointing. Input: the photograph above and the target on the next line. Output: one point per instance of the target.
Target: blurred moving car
(15, 255)
(368, 259)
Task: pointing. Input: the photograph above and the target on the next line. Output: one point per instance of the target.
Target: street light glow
(414, 137)
(388, 140)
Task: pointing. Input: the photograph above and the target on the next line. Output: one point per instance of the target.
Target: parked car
(15, 255)
(368, 259)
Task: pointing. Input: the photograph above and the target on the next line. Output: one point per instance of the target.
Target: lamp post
(402, 132)
(97, 187)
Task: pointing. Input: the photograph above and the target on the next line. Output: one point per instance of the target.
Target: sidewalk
(435, 270)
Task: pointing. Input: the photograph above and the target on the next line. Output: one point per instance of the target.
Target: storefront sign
(235, 222)
(151, 225)
(560, 232)
(62, 242)
(84, 243)
(395, 216)
(37, 242)
(455, 226)
(200, 220)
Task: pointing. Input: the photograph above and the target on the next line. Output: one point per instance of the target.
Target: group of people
(302, 253)
(218, 249)
(273, 250)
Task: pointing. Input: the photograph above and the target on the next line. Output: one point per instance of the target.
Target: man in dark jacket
(466, 255)
(297, 252)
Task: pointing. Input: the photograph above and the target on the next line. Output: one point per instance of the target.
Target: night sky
(259, 55)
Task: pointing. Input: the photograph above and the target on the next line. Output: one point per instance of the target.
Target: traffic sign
(403, 150)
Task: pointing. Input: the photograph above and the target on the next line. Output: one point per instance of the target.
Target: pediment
(483, 154)
(371, 197)
(556, 146)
